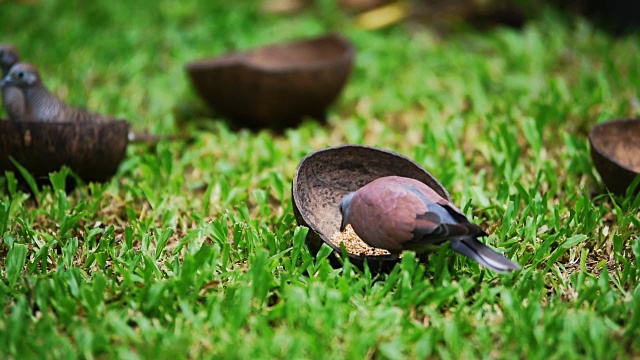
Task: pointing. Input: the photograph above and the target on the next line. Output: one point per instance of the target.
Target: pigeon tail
(472, 248)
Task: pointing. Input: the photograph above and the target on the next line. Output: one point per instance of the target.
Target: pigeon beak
(5, 81)
(343, 225)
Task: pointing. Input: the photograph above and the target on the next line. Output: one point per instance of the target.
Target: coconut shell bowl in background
(93, 150)
(278, 85)
(615, 150)
(324, 177)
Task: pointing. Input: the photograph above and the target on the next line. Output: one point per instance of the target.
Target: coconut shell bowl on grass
(275, 86)
(93, 150)
(615, 150)
(324, 177)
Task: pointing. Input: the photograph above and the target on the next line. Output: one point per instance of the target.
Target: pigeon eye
(20, 75)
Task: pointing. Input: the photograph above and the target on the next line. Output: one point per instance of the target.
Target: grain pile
(354, 244)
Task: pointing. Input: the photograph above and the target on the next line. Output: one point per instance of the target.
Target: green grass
(192, 250)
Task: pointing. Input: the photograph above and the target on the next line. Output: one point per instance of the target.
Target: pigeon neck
(38, 94)
(41, 105)
(13, 100)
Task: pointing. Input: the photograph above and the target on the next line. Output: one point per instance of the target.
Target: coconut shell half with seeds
(615, 150)
(324, 177)
(93, 150)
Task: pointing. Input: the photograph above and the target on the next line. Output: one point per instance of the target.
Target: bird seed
(355, 245)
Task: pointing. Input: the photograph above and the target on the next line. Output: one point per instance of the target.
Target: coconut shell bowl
(275, 86)
(93, 150)
(615, 150)
(324, 177)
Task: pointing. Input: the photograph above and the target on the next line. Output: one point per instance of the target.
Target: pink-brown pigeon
(398, 213)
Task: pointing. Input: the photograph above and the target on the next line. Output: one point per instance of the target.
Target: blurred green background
(192, 251)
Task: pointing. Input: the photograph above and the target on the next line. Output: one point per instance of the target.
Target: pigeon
(39, 103)
(12, 96)
(398, 213)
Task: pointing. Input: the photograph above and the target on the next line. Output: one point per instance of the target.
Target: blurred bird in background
(12, 97)
(39, 103)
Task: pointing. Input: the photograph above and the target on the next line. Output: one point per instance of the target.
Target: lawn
(192, 250)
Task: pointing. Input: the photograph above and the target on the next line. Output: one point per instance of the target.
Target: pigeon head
(8, 57)
(22, 75)
(345, 204)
